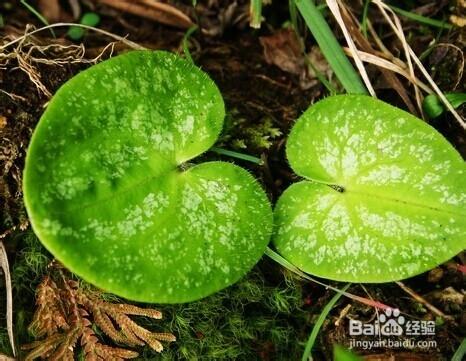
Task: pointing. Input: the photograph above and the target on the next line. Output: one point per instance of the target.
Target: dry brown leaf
(52, 11)
(152, 10)
(283, 50)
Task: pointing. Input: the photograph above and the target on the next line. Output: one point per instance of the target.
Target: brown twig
(423, 301)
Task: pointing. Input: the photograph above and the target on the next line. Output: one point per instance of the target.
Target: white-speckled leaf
(384, 195)
(107, 192)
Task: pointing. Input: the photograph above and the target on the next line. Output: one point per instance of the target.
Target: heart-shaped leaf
(383, 196)
(109, 193)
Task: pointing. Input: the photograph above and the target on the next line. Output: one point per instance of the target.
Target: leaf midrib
(455, 212)
(126, 190)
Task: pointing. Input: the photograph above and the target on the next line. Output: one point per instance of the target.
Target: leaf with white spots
(109, 193)
(383, 196)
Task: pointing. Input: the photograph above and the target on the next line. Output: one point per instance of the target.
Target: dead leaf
(3, 122)
(391, 78)
(52, 11)
(152, 10)
(283, 50)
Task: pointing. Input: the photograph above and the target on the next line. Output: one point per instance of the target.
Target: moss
(259, 318)
(240, 133)
(252, 320)
(27, 269)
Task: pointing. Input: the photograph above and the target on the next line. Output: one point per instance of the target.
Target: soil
(258, 95)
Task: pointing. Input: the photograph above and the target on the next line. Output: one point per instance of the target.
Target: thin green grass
(320, 321)
(365, 12)
(460, 352)
(37, 15)
(255, 13)
(330, 47)
(293, 15)
(422, 19)
(321, 77)
(294, 23)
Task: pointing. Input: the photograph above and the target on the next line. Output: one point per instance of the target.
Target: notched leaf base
(384, 197)
(113, 204)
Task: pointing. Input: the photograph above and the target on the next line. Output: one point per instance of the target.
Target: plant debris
(68, 315)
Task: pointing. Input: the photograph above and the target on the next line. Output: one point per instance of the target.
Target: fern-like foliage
(66, 317)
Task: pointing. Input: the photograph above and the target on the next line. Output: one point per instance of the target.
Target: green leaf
(433, 106)
(383, 196)
(109, 193)
(88, 19)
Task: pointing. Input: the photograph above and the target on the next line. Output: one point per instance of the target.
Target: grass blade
(459, 354)
(255, 14)
(320, 321)
(422, 19)
(330, 47)
(365, 12)
(37, 15)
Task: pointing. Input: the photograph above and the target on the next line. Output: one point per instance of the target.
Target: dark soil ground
(262, 103)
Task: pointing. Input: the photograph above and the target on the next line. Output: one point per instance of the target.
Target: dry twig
(422, 300)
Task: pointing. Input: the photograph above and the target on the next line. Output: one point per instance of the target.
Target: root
(28, 54)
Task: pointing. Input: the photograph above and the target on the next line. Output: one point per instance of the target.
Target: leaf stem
(186, 37)
(233, 154)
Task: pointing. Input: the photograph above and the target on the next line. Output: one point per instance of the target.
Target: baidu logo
(388, 327)
(389, 323)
